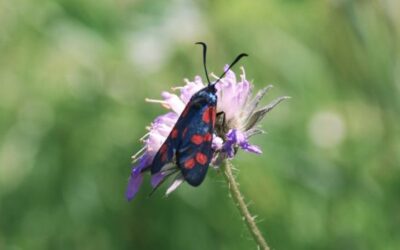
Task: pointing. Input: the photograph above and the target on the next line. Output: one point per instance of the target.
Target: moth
(189, 144)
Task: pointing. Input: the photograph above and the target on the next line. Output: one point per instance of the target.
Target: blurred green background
(73, 78)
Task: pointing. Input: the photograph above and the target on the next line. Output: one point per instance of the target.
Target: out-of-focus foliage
(73, 78)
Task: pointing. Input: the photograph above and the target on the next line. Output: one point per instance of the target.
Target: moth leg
(221, 127)
(221, 114)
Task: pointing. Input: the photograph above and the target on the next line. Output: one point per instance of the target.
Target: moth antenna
(230, 66)
(204, 60)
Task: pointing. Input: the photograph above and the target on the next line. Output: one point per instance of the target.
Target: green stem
(241, 205)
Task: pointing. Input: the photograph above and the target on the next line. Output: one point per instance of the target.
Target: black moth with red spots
(189, 143)
(191, 151)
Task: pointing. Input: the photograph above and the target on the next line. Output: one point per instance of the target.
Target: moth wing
(165, 154)
(194, 163)
(195, 152)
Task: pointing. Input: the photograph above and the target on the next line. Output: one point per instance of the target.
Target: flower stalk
(241, 205)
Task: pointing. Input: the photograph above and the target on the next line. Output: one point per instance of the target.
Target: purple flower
(240, 121)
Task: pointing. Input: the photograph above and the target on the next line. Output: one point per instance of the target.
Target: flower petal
(252, 105)
(257, 116)
(136, 178)
(173, 102)
(134, 183)
(191, 88)
(236, 138)
(250, 148)
(230, 75)
(168, 119)
(231, 140)
(159, 130)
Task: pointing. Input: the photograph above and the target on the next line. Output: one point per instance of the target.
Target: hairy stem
(241, 205)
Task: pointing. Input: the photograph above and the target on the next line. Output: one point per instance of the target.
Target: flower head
(238, 118)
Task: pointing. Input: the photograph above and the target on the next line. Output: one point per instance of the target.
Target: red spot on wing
(189, 163)
(201, 158)
(174, 133)
(197, 139)
(207, 137)
(164, 157)
(163, 148)
(213, 115)
(209, 115)
(206, 115)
